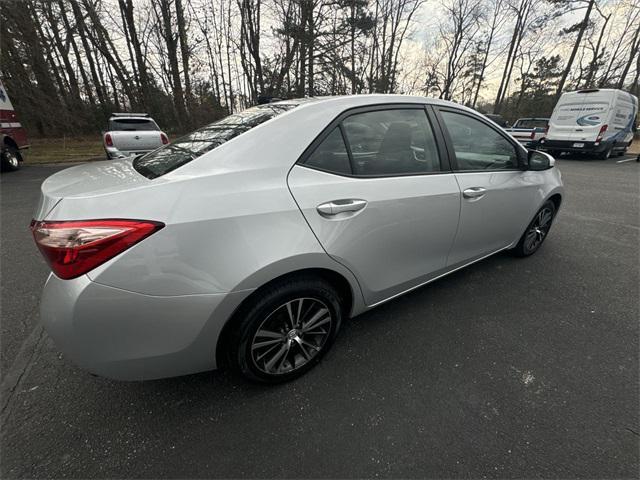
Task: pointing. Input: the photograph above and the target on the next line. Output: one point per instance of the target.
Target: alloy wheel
(291, 336)
(538, 230)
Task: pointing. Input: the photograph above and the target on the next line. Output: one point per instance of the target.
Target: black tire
(10, 159)
(537, 231)
(622, 152)
(606, 154)
(252, 353)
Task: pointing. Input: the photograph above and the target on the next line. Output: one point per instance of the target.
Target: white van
(596, 121)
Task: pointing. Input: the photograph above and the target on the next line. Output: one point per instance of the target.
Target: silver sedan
(247, 242)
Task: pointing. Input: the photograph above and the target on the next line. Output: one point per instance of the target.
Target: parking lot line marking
(625, 160)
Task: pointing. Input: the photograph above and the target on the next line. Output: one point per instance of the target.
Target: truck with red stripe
(13, 137)
(529, 131)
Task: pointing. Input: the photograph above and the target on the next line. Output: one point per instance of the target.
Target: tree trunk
(634, 51)
(574, 51)
(171, 42)
(77, 14)
(185, 54)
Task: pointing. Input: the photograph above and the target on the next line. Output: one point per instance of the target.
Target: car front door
(377, 191)
(498, 198)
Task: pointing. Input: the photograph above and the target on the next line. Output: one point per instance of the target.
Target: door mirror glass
(539, 160)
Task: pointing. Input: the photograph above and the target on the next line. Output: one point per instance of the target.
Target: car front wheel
(285, 331)
(536, 231)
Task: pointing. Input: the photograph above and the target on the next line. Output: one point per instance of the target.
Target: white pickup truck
(130, 134)
(529, 131)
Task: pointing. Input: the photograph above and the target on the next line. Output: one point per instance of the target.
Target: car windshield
(532, 123)
(191, 146)
(132, 124)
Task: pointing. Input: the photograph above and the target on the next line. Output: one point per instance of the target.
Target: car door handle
(474, 192)
(341, 206)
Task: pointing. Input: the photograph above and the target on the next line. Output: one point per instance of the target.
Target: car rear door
(377, 191)
(498, 198)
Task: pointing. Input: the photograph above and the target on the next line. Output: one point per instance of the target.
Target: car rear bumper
(130, 336)
(113, 153)
(573, 146)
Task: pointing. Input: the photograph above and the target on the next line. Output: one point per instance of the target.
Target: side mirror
(539, 160)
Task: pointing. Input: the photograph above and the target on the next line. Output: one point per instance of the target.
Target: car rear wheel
(10, 159)
(286, 330)
(536, 231)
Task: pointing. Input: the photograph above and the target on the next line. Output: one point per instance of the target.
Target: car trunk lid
(136, 141)
(91, 179)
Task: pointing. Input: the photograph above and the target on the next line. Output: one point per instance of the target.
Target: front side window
(391, 142)
(191, 146)
(478, 146)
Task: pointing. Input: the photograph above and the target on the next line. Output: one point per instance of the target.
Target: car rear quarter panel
(231, 222)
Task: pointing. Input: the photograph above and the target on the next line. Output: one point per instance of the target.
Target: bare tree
(580, 27)
(462, 23)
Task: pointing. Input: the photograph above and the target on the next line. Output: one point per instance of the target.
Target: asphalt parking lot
(509, 368)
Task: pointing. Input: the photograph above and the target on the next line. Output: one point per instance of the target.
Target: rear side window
(379, 143)
(185, 149)
(331, 155)
(132, 125)
(392, 142)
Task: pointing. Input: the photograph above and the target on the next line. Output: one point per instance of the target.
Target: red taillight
(164, 138)
(603, 129)
(533, 134)
(73, 248)
(108, 140)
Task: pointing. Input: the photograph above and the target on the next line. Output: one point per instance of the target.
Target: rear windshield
(196, 144)
(132, 125)
(531, 123)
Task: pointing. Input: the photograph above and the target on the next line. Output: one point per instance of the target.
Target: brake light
(603, 129)
(72, 248)
(533, 134)
(164, 139)
(108, 140)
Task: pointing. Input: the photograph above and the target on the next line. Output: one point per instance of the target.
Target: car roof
(132, 117)
(288, 135)
(370, 99)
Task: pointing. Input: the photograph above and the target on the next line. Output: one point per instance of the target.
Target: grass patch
(65, 149)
